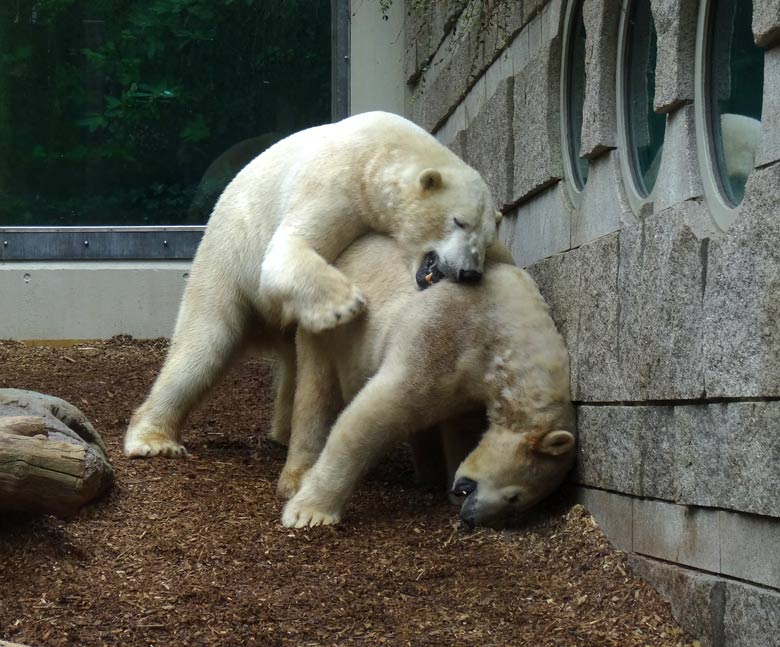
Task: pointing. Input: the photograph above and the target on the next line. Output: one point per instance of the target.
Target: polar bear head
(509, 472)
(450, 223)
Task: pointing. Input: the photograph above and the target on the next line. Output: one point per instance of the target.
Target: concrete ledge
(614, 514)
(730, 544)
(85, 300)
(720, 612)
(697, 600)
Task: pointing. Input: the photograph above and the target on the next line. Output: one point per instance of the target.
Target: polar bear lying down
(417, 360)
(263, 263)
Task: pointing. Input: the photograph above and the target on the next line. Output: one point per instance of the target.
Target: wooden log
(23, 426)
(47, 465)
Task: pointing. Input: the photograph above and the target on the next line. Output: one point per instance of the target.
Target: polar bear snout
(469, 514)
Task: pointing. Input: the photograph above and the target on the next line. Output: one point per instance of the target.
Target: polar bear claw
(332, 312)
(301, 515)
(151, 444)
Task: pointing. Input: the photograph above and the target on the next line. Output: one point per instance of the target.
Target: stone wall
(672, 324)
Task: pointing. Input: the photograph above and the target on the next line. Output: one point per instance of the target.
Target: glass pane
(645, 127)
(576, 97)
(139, 112)
(736, 83)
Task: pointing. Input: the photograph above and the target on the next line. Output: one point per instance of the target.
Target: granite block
(659, 348)
(599, 377)
(537, 144)
(675, 24)
(489, 144)
(426, 26)
(627, 449)
(479, 35)
(558, 278)
(697, 600)
(766, 22)
(769, 146)
(742, 297)
(751, 616)
(599, 123)
(726, 456)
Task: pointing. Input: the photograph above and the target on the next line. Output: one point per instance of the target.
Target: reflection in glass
(575, 98)
(645, 127)
(139, 112)
(735, 84)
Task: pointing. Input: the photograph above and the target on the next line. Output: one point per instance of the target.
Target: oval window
(734, 88)
(644, 128)
(575, 97)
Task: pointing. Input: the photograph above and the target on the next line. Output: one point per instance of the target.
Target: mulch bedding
(191, 552)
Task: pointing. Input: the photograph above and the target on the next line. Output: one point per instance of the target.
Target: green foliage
(108, 99)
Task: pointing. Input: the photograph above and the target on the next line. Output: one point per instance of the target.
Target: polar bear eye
(513, 499)
(458, 223)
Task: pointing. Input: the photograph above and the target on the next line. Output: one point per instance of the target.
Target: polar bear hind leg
(317, 404)
(284, 392)
(204, 343)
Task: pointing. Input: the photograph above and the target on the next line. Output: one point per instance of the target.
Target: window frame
(635, 198)
(722, 212)
(157, 242)
(570, 174)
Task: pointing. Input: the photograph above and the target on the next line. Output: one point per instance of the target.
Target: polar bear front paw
(339, 307)
(152, 444)
(302, 515)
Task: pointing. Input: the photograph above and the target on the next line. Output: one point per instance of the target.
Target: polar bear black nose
(469, 276)
(464, 486)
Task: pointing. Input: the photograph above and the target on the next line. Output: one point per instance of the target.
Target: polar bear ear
(430, 179)
(556, 443)
(499, 215)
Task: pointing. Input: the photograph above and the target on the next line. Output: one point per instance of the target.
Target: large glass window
(139, 112)
(735, 81)
(574, 98)
(644, 128)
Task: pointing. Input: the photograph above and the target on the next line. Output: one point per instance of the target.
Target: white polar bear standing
(264, 261)
(423, 360)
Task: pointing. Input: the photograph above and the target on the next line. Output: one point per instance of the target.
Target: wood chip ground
(192, 553)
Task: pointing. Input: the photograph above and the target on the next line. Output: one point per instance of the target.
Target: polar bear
(424, 359)
(263, 263)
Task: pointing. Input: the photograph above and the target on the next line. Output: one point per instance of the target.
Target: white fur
(422, 359)
(264, 262)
